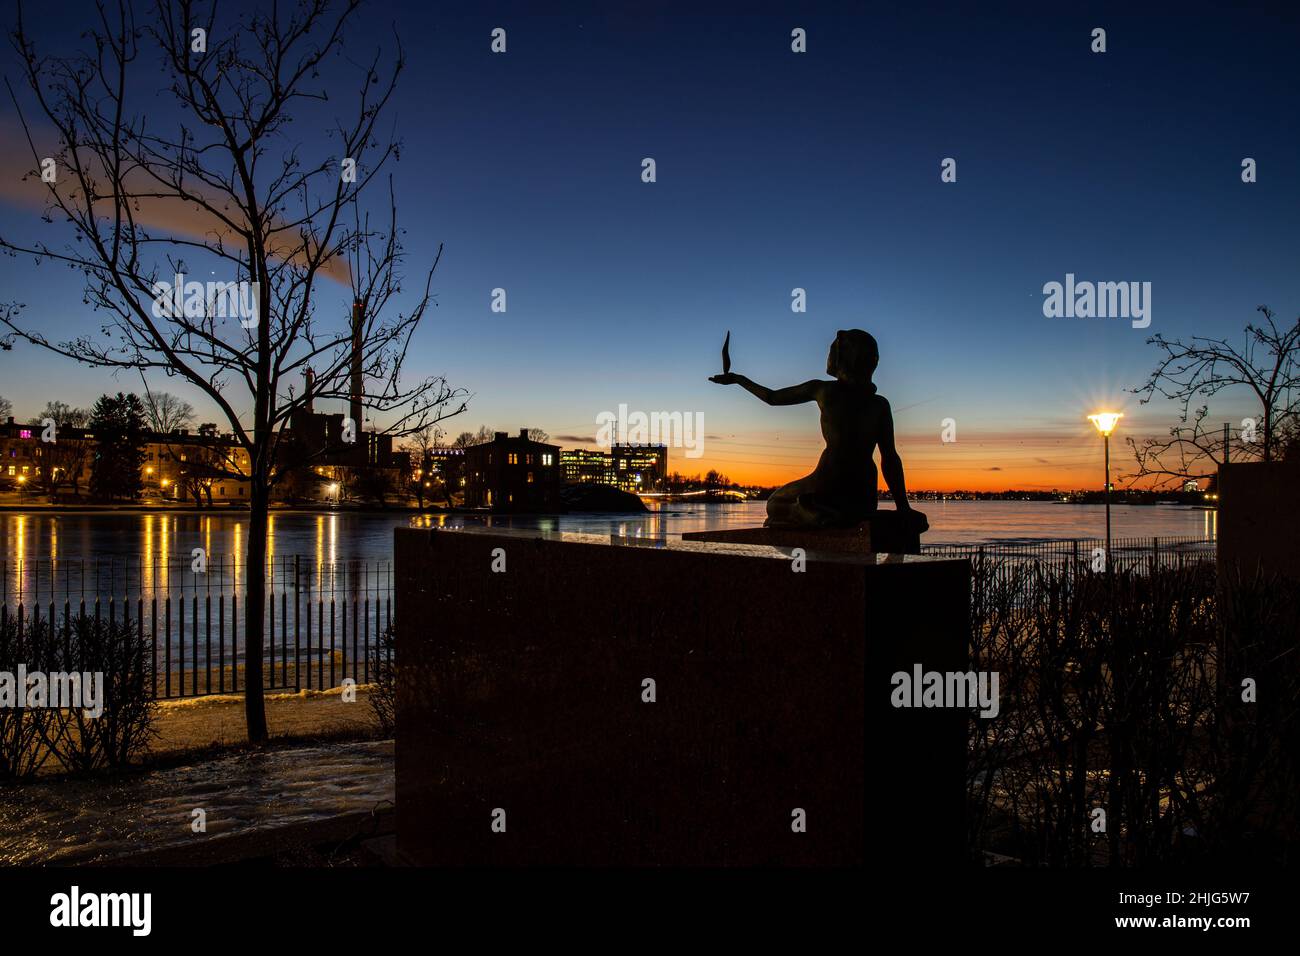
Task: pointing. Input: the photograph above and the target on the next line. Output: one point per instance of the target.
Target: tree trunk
(255, 608)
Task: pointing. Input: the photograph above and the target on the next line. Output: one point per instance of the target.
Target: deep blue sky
(821, 170)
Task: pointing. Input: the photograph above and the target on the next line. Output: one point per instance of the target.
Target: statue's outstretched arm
(891, 465)
(794, 395)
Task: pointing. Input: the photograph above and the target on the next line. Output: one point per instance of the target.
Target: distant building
(445, 464)
(583, 466)
(20, 453)
(640, 467)
(513, 474)
(320, 464)
(26, 462)
(195, 465)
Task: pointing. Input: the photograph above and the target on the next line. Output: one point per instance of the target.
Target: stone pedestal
(524, 699)
(884, 534)
(1259, 518)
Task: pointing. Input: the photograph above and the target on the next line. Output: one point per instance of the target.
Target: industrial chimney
(358, 389)
(310, 388)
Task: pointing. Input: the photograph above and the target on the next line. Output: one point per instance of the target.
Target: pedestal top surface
(781, 553)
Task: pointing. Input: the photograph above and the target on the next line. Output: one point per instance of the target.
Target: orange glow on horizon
(992, 462)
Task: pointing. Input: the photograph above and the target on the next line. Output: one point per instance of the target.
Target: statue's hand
(726, 378)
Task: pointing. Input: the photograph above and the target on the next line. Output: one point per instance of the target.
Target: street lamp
(1105, 423)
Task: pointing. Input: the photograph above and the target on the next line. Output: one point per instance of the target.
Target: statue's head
(854, 356)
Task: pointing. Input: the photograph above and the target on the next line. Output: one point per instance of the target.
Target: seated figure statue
(841, 492)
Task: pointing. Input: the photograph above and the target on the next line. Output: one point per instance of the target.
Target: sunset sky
(820, 171)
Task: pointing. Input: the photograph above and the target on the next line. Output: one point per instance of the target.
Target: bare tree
(6, 407)
(63, 415)
(276, 224)
(537, 435)
(420, 446)
(1266, 371)
(66, 459)
(466, 439)
(166, 412)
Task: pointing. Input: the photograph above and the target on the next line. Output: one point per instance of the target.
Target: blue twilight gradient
(820, 171)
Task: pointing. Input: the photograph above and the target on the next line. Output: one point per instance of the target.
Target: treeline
(713, 480)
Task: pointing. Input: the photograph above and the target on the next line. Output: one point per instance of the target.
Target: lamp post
(1105, 423)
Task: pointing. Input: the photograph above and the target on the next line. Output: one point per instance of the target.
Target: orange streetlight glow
(1106, 421)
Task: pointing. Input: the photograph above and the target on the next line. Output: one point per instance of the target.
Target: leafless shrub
(383, 693)
(1123, 738)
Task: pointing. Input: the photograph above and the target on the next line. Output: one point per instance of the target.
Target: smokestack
(358, 389)
(311, 387)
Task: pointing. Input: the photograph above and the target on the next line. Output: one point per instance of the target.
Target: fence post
(297, 610)
(221, 628)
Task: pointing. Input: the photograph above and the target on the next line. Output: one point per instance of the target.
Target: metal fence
(323, 621)
(1140, 555)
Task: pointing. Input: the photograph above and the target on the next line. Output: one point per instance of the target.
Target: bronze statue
(841, 492)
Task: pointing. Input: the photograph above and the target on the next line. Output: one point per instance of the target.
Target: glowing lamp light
(1106, 421)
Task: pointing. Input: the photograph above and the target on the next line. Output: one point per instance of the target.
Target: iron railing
(323, 620)
(1006, 560)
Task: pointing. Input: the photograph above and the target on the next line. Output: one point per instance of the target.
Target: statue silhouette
(841, 492)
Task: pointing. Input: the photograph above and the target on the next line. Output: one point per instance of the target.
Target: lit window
(530, 477)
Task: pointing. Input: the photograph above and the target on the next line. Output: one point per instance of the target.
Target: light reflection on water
(157, 544)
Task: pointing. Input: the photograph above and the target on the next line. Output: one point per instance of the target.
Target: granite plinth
(886, 533)
(848, 540)
(1258, 524)
(524, 690)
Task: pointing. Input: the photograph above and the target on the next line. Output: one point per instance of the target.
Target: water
(325, 538)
